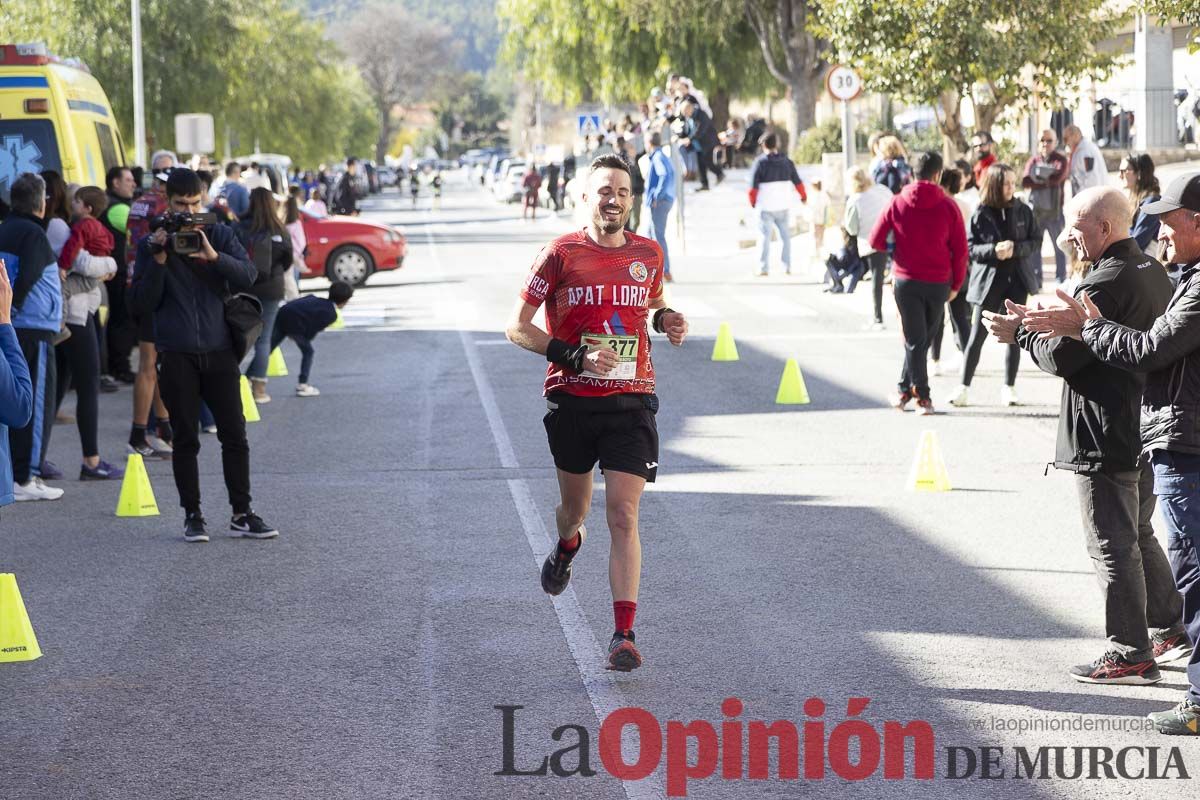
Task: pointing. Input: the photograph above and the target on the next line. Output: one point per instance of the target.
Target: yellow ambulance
(53, 116)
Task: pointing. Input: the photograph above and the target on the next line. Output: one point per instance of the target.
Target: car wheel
(351, 264)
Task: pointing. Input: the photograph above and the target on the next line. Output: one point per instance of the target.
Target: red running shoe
(623, 655)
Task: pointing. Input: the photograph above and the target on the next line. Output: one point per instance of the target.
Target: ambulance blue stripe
(24, 82)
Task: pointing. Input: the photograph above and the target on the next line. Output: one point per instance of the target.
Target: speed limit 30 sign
(843, 83)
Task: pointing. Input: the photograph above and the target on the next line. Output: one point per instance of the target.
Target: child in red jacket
(88, 236)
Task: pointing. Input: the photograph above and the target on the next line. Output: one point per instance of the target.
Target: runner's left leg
(623, 496)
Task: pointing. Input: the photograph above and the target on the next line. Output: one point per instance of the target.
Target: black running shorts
(145, 327)
(622, 441)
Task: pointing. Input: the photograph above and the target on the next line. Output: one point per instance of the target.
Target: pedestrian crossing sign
(589, 125)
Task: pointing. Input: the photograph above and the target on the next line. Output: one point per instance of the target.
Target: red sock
(623, 613)
(570, 545)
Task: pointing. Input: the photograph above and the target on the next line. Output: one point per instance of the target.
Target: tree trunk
(385, 135)
(949, 120)
(720, 108)
(804, 106)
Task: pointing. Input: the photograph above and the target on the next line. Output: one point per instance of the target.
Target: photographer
(196, 358)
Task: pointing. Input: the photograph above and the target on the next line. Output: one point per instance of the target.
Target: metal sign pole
(139, 101)
(847, 137)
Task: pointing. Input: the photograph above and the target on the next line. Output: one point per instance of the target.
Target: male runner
(600, 285)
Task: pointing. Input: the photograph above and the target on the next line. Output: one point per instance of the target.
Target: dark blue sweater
(306, 316)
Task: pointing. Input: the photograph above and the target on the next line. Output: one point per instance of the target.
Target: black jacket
(704, 134)
(189, 314)
(1098, 417)
(344, 199)
(1169, 354)
(271, 254)
(988, 228)
(119, 236)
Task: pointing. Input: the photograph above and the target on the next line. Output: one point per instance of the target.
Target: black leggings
(80, 355)
(877, 264)
(994, 302)
(960, 322)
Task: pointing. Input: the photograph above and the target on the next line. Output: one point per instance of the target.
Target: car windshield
(26, 145)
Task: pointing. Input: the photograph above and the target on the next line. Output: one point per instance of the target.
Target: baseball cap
(1183, 192)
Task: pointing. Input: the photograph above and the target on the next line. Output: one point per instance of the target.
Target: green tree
(403, 61)
(938, 52)
(260, 68)
(792, 51)
(613, 50)
(470, 111)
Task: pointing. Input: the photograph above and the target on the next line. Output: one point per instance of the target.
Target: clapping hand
(1063, 320)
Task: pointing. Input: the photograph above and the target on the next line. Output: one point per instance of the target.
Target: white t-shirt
(818, 207)
(1082, 177)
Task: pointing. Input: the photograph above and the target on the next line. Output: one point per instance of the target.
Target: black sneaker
(623, 655)
(556, 569)
(1170, 647)
(108, 384)
(193, 528)
(251, 526)
(144, 450)
(1182, 720)
(1115, 668)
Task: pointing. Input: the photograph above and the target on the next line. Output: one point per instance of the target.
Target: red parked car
(350, 249)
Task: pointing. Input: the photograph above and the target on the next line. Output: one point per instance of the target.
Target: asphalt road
(364, 652)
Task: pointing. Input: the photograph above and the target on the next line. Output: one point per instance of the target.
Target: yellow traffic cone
(17, 642)
(724, 349)
(137, 496)
(928, 469)
(276, 367)
(792, 391)
(249, 407)
(339, 323)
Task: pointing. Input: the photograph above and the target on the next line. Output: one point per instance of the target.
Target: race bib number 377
(626, 348)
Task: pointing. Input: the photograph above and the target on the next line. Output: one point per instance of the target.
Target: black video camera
(179, 241)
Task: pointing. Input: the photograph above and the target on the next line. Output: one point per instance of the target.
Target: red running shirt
(603, 293)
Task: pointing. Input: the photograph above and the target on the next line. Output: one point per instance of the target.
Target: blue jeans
(306, 350)
(1177, 484)
(659, 210)
(262, 347)
(774, 220)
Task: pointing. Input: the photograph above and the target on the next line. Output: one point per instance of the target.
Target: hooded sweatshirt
(929, 232)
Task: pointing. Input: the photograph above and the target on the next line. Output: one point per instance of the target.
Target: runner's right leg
(575, 492)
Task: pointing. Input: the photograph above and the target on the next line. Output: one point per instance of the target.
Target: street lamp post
(139, 100)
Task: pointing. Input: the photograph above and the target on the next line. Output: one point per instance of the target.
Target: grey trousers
(1135, 577)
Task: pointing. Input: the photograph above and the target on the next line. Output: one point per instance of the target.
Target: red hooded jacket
(930, 235)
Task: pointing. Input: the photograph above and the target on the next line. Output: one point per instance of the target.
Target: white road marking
(691, 307)
(769, 305)
(602, 689)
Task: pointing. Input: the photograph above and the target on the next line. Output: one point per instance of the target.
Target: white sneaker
(159, 444)
(305, 390)
(35, 490)
(1008, 396)
(936, 369)
(960, 398)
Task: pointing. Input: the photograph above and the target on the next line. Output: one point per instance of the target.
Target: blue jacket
(189, 314)
(306, 316)
(33, 273)
(660, 185)
(16, 403)
(1145, 226)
